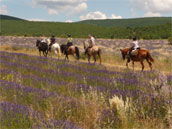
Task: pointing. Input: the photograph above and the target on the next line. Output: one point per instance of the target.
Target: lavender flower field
(38, 92)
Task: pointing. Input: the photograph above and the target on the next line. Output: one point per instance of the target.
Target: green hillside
(137, 22)
(6, 17)
(80, 30)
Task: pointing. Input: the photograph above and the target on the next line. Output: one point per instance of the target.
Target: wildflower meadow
(40, 92)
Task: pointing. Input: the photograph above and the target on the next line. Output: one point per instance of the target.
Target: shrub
(170, 40)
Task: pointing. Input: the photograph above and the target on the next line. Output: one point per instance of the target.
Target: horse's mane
(48, 41)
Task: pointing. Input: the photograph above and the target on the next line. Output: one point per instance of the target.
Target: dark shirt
(52, 40)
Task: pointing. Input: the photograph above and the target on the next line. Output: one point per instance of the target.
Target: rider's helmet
(134, 38)
(52, 35)
(69, 35)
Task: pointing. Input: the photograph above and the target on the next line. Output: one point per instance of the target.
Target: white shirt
(135, 44)
(92, 41)
(43, 41)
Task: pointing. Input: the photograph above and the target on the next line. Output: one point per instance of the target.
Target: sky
(77, 10)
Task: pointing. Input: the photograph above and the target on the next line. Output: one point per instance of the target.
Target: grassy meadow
(40, 92)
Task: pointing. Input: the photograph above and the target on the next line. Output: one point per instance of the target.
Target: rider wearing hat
(52, 40)
(69, 41)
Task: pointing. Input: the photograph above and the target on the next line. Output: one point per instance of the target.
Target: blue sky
(76, 10)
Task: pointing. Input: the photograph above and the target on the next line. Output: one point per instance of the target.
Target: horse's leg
(94, 58)
(67, 58)
(142, 65)
(89, 58)
(59, 53)
(44, 53)
(133, 65)
(150, 64)
(56, 52)
(128, 60)
(39, 53)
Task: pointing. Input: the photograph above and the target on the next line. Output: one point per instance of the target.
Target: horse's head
(123, 54)
(37, 43)
(85, 45)
(63, 47)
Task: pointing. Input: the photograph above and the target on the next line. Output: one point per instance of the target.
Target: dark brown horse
(140, 57)
(42, 47)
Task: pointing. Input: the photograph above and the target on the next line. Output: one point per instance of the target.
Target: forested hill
(19, 27)
(6, 17)
(136, 22)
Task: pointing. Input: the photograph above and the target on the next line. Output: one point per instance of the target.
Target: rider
(91, 42)
(43, 40)
(52, 41)
(134, 46)
(69, 41)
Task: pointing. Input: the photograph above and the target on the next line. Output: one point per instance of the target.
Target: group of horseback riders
(69, 41)
(132, 52)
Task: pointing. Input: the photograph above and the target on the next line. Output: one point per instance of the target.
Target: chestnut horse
(140, 57)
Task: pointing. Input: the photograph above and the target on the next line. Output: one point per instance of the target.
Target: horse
(55, 47)
(72, 50)
(95, 50)
(139, 57)
(42, 47)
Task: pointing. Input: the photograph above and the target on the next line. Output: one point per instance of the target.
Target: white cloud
(69, 21)
(98, 15)
(37, 19)
(3, 9)
(68, 7)
(150, 14)
(115, 17)
(94, 15)
(153, 7)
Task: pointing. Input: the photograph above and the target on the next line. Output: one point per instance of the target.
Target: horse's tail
(77, 52)
(100, 55)
(149, 56)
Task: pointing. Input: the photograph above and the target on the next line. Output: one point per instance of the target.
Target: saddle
(44, 43)
(134, 52)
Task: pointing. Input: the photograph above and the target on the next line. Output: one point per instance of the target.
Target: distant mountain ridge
(6, 17)
(143, 28)
(135, 22)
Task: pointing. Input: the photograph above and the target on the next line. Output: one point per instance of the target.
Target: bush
(170, 40)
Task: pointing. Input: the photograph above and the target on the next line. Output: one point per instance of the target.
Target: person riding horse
(52, 41)
(69, 41)
(134, 48)
(43, 40)
(91, 43)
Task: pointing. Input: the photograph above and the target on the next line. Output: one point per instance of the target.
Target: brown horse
(95, 50)
(140, 57)
(72, 50)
